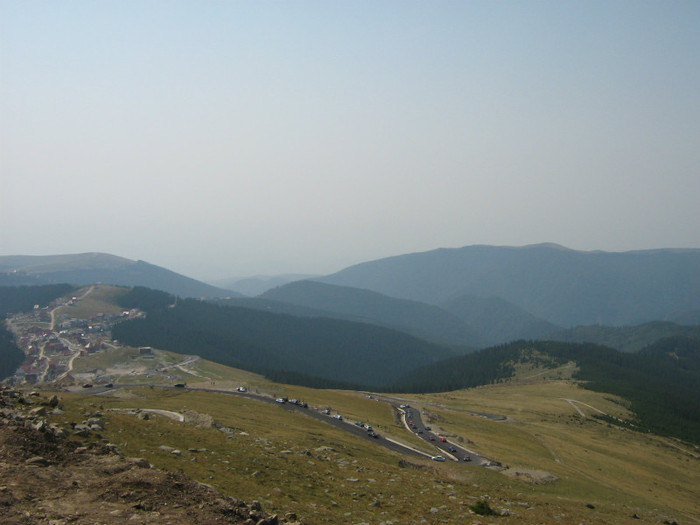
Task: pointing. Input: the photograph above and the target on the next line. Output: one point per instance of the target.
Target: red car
(444, 440)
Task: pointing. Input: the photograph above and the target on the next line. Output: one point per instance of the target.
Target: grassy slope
(592, 459)
(102, 299)
(280, 460)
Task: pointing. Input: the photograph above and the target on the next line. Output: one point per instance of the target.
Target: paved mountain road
(442, 448)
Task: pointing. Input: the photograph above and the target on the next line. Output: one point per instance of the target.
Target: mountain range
(466, 298)
(561, 286)
(89, 268)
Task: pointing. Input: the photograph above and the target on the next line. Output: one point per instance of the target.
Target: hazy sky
(224, 139)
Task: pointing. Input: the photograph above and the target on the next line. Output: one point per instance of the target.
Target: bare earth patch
(48, 478)
(538, 477)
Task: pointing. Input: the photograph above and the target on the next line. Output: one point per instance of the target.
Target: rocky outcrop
(96, 483)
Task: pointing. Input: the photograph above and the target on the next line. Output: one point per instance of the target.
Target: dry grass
(605, 464)
(100, 300)
(295, 463)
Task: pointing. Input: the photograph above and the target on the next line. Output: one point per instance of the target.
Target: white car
(438, 458)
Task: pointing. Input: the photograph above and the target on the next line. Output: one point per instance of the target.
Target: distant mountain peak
(94, 267)
(562, 286)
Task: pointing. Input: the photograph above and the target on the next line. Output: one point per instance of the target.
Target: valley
(538, 452)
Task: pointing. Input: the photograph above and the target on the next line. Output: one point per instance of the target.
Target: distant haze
(227, 139)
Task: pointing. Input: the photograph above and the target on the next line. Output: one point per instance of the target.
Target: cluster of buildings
(50, 352)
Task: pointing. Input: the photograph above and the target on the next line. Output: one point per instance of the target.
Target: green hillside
(662, 381)
(564, 287)
(420, 319)
(15, 299)
(331, 349)
(11, 356)
(90, 268)
(497, 321)
(625, 338)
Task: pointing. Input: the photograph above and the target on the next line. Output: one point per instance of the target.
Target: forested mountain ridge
(90, 268)
(15, 299)
(423, 320)
(331, 349)
(662, 381)
(564, 287)
(625, 338)
(256, 285)
(497, 321)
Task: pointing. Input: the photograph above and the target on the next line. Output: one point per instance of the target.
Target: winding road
(447, 449)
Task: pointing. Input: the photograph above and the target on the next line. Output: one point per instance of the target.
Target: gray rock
(140, 462)
(81, 430)
(93, 421)
(37, 461)
(38, 412)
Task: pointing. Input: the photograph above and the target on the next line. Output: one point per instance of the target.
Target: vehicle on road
(467, 458)
(452, 449)
(373, 434)
(438, 458)
(443, 440)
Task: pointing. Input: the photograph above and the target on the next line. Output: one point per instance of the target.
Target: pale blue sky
(227, 139)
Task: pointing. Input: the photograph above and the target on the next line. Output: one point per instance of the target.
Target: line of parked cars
(302, 404)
